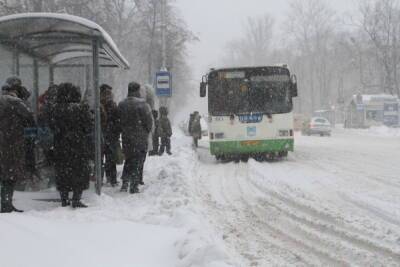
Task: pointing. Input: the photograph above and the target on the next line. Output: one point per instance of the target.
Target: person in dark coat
(111, 133)
(156, 134)
(165, 132)
(46, 136)
(72, 125)
(136, 124)
(15, 118)
(196, 129)
(190, 123)
(30, 160)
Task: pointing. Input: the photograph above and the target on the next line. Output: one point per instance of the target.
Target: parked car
(317, 126)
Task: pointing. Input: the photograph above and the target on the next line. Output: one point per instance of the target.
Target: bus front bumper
(251, 147)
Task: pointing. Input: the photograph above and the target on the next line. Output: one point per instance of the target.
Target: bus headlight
(219, 135)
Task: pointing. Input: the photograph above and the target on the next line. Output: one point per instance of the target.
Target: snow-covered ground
(334, 202)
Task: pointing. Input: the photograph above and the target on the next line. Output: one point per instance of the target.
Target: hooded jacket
(165, 124)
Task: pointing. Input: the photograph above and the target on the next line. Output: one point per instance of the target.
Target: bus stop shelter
(62, 41)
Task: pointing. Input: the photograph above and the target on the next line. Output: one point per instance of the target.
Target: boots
(15, 209)
(64, 199)
(7, 191)
(134, 189)
(6, 206)
(124, 187)
(76, 200)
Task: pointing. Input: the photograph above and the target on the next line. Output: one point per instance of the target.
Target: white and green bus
(250, 111)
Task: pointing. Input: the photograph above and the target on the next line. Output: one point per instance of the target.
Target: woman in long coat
(72, 127)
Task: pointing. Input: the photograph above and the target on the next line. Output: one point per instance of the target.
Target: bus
(250, 112)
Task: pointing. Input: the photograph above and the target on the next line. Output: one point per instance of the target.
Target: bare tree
(253, 48)
(381, 21)
(310, 26)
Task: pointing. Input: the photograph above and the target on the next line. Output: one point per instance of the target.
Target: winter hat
(14, 81)
(68, 93)
(133, 87)
(105, 87)
(163, 111)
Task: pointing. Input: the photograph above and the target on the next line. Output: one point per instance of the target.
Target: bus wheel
(270, 157)
(244, 158)
(283, 154)
(260, 158)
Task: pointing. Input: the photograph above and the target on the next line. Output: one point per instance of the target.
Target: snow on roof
(18, 25)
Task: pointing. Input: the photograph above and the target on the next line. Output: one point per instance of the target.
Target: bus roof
(279, 69)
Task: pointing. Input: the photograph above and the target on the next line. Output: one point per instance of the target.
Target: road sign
(163, 84)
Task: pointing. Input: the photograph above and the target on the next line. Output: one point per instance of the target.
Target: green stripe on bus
(257, 146)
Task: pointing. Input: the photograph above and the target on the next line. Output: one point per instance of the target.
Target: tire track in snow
(296, 251)
(241, 229)
(323, 224)
(291, 241)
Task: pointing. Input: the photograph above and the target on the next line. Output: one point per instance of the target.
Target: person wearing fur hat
(72, 126)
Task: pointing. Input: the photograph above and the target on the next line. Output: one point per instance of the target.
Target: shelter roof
(58, 38)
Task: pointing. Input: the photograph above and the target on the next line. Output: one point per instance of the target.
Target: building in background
(364, 111)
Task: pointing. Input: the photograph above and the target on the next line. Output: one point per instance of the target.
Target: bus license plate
(250, 143)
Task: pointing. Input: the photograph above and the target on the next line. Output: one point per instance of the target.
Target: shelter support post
(51, 74)
(16, 63)
(87, 79)
(35, 93)
(97, 130)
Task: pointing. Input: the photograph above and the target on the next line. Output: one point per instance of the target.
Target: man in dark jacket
(72, 125)
(190, 123)
(136, 124)
(165, 131)
(111, 133)
(15, 117)
(196, 128)
(156, 134)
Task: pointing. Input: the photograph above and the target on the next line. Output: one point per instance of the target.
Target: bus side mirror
(203, 89)
(293, 86)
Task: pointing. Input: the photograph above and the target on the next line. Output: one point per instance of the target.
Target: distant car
(317, 126)
(298, 120)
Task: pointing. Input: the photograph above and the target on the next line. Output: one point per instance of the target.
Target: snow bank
(378, 131)
(31, 241)
(164, 226)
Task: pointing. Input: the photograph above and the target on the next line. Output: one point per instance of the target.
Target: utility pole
(163, 81)
(163, 35)
(164, 100)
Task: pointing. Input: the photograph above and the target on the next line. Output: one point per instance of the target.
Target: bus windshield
(250, 93)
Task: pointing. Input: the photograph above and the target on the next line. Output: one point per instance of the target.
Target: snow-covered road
(334, 202)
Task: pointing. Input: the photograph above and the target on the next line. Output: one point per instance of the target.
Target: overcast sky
(216, 22)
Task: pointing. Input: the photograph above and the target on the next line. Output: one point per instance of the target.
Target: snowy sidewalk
(164, 226)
